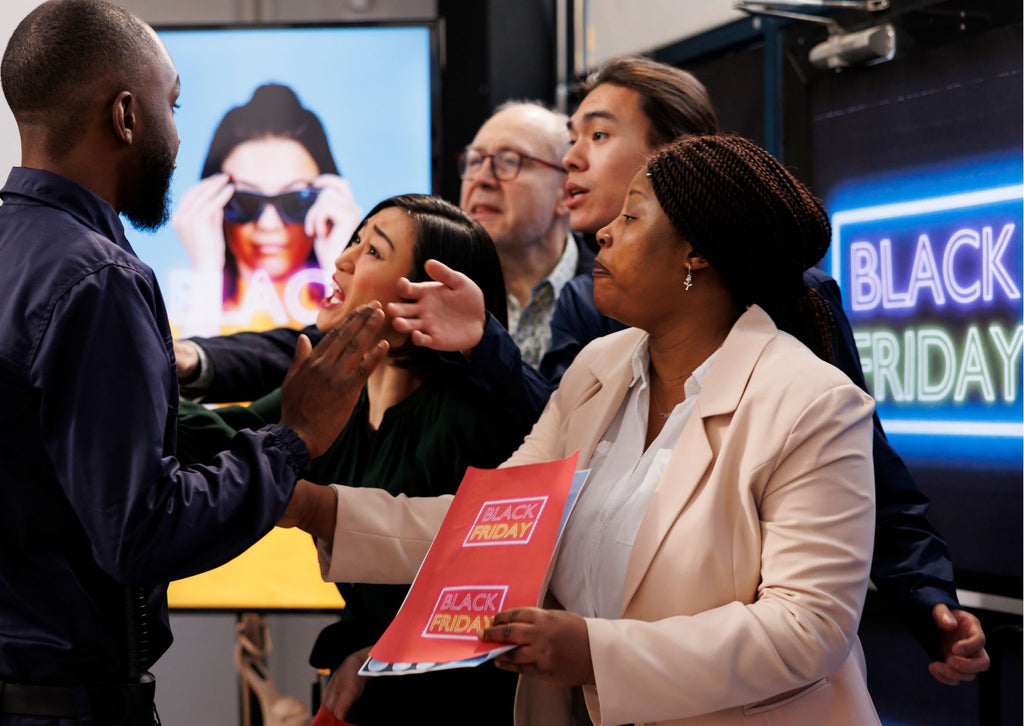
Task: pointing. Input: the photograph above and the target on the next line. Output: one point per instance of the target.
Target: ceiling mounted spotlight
(843, 48)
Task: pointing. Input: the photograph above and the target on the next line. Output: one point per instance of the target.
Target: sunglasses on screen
(244, 207)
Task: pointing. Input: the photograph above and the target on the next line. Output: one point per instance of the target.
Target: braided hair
(754, 222)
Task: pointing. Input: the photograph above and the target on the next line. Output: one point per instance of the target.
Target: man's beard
(150, 209)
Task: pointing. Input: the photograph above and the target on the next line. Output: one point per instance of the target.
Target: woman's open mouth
(335, 295)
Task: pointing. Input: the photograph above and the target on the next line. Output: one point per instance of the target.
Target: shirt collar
(45, 187)
(641, 364)
(565, 270)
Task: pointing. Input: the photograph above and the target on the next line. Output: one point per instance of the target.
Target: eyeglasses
(505, 163)
(244, 207)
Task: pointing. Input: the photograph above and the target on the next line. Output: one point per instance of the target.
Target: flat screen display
(931, 278)
(288, 136)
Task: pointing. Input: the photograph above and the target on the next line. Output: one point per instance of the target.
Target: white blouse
(591, 568)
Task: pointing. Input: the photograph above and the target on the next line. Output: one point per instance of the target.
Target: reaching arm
(108, 424)
(380, 538)
(109, 431)
(245, 366)
(448, 315)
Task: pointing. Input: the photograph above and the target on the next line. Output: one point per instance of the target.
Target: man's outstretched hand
(447, 314)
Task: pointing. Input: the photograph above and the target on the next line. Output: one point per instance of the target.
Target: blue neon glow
(930, 267)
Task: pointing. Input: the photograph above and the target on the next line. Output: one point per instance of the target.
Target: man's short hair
(674, 101)
(64, 54)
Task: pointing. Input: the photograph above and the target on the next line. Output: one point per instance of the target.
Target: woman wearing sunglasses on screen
(269, 216)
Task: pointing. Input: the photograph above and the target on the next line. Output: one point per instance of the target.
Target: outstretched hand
(323, 385)
(554, 645)
(447, 314)
(963, 646)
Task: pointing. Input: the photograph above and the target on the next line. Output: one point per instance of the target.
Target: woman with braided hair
(714, 568)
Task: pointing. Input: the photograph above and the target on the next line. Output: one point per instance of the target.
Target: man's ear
(563, 199)
(122, 116)
(697, 262)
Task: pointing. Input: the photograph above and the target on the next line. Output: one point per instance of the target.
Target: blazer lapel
(693, 455)
(612, 376)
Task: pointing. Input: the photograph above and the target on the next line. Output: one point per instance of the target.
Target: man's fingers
(356, 333)
(944, 673)
(406, 325)
(967, 666)
(969, 645)
(939, 673)
(440, 272)
(943, 618)
(977, 664)
(372, 359)
(302, 350)
(416, 290)
(403, 310)
(422, 339)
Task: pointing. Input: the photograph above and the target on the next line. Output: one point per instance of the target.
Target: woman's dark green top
(421, 449)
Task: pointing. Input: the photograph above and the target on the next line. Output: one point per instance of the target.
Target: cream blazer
(746, 581)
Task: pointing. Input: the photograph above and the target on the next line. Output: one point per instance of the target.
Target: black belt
(57, 701)
(122, 704)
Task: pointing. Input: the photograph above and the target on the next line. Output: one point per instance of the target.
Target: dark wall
(493, 51)
(948, 103)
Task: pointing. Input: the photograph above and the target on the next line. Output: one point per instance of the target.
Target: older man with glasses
(512, 183)
(519, 198)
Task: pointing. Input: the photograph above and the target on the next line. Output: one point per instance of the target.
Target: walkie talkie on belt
(130, 703)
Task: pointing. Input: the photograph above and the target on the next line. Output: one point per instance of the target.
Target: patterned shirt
(530, 326)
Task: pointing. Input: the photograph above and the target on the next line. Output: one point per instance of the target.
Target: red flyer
(493, 552)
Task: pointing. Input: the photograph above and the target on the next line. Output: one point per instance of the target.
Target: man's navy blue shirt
(91, 497)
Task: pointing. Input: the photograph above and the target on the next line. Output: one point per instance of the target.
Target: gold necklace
(657, 406)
